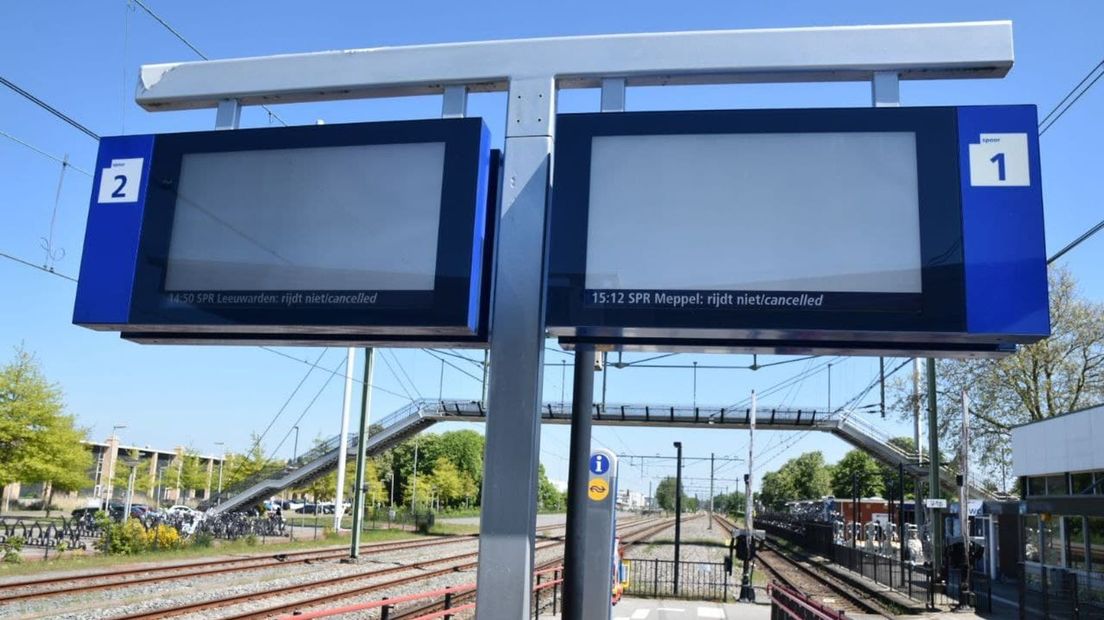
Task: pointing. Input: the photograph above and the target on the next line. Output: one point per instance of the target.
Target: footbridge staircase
(421, 414)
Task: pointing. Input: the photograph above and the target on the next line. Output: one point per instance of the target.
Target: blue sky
(83, 57)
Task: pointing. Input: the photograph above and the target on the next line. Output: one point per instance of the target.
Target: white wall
(1072, 442)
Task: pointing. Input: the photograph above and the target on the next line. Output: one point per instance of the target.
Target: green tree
(665, 493)
(447, 482)
(1051, 377)
(549, 496)
(121, 481)
(803, 477)
(38, 441)
(857, 467)
(776, 489)
(242, 467)
(193, 472)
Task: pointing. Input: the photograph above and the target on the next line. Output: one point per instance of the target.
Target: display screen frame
(940, 309)
(452, 307)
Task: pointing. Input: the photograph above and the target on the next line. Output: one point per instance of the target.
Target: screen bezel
(942, 299)
(451, 307)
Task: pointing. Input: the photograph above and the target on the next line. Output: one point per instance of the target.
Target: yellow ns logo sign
(598, 489)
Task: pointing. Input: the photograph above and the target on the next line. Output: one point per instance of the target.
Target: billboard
(872, 230)
(358, 232)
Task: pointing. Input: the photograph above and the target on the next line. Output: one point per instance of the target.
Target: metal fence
(696, 580)
(912, 580)
(1058, 594)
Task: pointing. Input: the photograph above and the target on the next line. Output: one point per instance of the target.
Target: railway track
(814, 582)
(16, 591)
(628, 539)
(246, 605)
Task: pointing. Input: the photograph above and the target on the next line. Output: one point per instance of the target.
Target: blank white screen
(334, 218)
(831, 212)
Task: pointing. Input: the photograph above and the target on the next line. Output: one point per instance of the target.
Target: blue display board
(321, 234)
(884, 230)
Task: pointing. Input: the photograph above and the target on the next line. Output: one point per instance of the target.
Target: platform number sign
(1000, 160)
(120, 181)
(599, 464)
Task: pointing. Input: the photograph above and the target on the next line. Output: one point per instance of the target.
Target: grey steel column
(582, 399)
(362, 443)
(508, 519)
(678, 511)
(598, 560)
(934, 489)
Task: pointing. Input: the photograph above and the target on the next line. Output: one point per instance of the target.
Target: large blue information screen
(371, 231)
(871, 230)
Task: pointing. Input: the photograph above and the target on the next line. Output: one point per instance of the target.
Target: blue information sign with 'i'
(599, 464)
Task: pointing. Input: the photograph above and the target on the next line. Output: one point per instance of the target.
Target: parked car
(182, 510)
(290, 504)
(322, 508)
(87, 512)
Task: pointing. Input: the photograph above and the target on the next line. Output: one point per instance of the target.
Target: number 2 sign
(120, 181)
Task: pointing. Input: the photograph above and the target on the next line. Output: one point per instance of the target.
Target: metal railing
(696, 580)
(1058, 594)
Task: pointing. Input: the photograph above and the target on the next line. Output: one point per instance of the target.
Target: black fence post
(1075, 597)
(555, 590)
(655, 577)
(1022, 591)
(385, 612)
(1046, 595)
(448, 604)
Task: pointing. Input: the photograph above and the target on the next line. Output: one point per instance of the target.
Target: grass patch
(81, 562)
(451, 529)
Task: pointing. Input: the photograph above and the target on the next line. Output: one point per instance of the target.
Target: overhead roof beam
(828, 54)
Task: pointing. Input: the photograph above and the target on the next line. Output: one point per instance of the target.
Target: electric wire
(44, 153)
(38, 267)
(180, 37)
(49, 108)
(1051, 117)
(325, 384)
(430, 353)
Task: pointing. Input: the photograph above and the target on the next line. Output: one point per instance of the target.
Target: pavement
(663, 609)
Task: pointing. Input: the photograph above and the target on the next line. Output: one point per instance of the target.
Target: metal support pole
(343, 441)
(508, 528)
(933, 473)
(747, 589)
(228, 114)
(964, 498)
(678, 511)
(918, 481)
(711, 462)
(881, 385)
(577, 477)
(361, 457)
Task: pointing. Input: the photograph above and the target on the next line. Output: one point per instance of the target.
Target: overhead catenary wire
(44, 153)
(306, 409)
(28, 263)
(1076, 92)
(49, 108)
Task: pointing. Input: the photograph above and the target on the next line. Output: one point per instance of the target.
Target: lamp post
(295, 446)
(133, 463)
(221, 461)
(113, 443)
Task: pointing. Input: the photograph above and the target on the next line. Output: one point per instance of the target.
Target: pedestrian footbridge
(421, 414)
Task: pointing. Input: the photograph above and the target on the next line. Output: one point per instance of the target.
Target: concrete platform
(663, 609)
